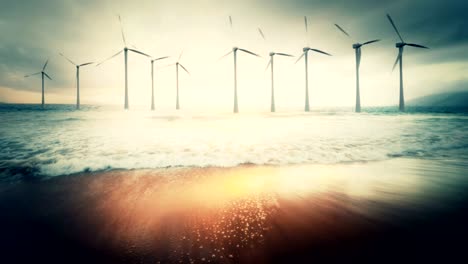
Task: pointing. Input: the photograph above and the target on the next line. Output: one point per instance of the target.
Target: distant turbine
(125, 51)
(152, 79)
(400, 46)
(357, 48)
(77, 78)
(271, 63)
(177, 64)
(42, 73)
(305, 54)
(234, 50)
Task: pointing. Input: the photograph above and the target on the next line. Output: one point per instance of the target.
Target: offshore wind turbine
(42, 73)
(400, 46)
(152, 78)
(271, 63)
(357, 48)
(125, 51)
(234, 51)
(77, 78)
(178, 64)
(305, 54)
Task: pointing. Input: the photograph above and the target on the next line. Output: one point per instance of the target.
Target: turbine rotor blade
(246, 51)
(342, 30)
(109, 58)
(284, 54)
(47, 76)
(139, 52)
(180, 56)
(45, 65)
(306, 24)
(371, 41)
(261, 33)
(184, 68)
(161, 58)
(417, 46)
(230, 21)
(268, 65)
(29, 75)
(397, 60)
(85, 64)
(121, 29)
(67, 59)
(227, 54)
(319, 51)
(396, 30)
(300, 57)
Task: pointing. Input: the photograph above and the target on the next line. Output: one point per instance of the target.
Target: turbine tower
(77, 78)
(42, 73)
(234, 51)
(178, 64)
(271, 63)
(400, 46)
(357, 48)
(152, 79)
(125, 51)
(305, 54)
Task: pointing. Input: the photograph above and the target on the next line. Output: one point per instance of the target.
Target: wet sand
(401, 210)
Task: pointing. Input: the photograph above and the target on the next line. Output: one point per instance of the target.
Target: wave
(37, 145)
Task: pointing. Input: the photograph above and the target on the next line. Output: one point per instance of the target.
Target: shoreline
(244, 214)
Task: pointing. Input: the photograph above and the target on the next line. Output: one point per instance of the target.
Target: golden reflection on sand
(227, 214)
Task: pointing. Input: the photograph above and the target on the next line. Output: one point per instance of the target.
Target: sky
(89, 30)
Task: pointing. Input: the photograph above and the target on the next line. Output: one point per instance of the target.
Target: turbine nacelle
(305, 49)
(272, 53)
(234, 49)
(400, 44)
(357, 45)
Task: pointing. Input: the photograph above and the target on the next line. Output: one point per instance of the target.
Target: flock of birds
(356, 46)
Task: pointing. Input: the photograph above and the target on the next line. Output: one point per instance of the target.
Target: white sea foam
(65, 142)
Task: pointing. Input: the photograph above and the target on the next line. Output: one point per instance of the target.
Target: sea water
(59, 140)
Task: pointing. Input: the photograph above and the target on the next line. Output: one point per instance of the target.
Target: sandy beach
(396, 210)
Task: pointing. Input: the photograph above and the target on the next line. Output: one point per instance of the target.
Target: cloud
(87, 30)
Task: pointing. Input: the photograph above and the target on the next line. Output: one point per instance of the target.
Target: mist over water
(61, 141)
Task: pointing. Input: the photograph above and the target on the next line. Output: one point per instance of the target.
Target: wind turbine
(357, 48)
(77, 78)
(152, 78)
(42, 73)
(271, 63)
(305, 54)
(177, 64)
(400, 46)
(234, 51)
(125, 51)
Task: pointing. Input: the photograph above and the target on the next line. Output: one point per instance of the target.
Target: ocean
(59, 140)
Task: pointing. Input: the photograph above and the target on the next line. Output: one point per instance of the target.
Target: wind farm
(233, 132)
(305, 54)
